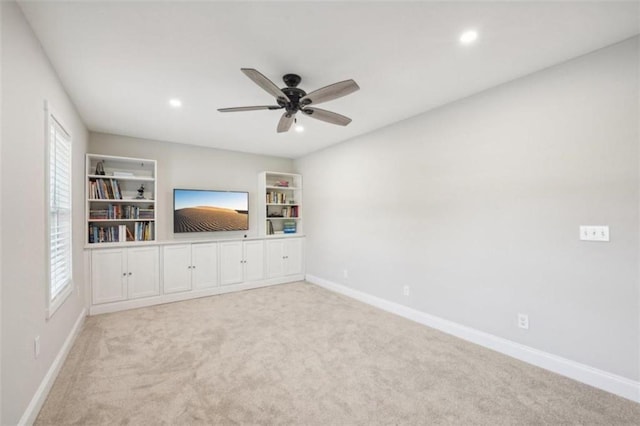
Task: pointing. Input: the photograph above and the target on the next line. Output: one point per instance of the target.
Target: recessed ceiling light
(468, 37)
(176, 103)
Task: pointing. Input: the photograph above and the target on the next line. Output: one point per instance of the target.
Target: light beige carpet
(298, 354)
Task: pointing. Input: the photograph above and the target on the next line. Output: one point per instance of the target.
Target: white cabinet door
(176, 261)
(254, 260)
(231, 262)
(293, 256)
(142, 272)
(204, 265)
(275, 258)
(108, 275)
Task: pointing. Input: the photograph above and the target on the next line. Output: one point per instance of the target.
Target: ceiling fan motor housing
(292, 92)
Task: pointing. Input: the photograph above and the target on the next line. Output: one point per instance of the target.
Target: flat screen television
(196, 210)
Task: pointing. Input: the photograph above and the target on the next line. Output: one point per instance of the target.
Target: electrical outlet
(405, 290)
(36, 346)
(523, 321)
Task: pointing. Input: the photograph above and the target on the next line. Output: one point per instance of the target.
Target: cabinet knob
(194, 266)
(188, 267)
(124, 274)
(130, 273)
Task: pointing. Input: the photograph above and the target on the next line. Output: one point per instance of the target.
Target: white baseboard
(186, 295)
(600, 379)
(31, 413)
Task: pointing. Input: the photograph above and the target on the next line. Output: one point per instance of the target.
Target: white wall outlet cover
(523, 321)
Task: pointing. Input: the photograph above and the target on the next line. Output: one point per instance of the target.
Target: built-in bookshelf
(121, 199)
(280, 204)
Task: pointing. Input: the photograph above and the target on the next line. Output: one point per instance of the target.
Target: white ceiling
(122, 61)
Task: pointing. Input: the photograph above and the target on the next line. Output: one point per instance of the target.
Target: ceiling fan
(292, 99)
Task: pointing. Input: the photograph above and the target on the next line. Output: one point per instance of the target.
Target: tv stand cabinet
(144, 274)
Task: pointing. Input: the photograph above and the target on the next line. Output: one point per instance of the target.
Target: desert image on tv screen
(205, 211)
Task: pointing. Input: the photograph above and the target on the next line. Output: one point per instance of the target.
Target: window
(59, 218)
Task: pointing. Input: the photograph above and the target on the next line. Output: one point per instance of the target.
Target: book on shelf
(289, 226)
(143, 231)
(287, 211)
(107, 234)
(276, 197)
(105, 189)
(116, 211)
(144, 214)
(290, 211)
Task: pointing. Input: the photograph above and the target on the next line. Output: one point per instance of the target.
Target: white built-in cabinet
(176, 265)
(279, 204)
(241, 261)
(135, 276)
(204, 273)
(124, 273)
(189, 266)
(120, 200)
(284, 257)
(130, 268)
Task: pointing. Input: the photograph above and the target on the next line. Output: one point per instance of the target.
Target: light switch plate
(594, 233)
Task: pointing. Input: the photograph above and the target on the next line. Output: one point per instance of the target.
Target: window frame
(54, 302)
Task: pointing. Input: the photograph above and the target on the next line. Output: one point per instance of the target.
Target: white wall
(192, 167)
(27, 80)
(476, 206)
(1, 217)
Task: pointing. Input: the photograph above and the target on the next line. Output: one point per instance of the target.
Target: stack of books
(289, 226)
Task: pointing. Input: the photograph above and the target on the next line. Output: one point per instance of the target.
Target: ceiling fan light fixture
(468, 37)
(297, 126)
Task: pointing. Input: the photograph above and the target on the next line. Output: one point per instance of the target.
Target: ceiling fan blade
(328, 116)
(249, 108)
(285, 122)
(330, 92)
(265, 83)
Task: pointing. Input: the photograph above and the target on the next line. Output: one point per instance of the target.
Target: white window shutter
(59, 210)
